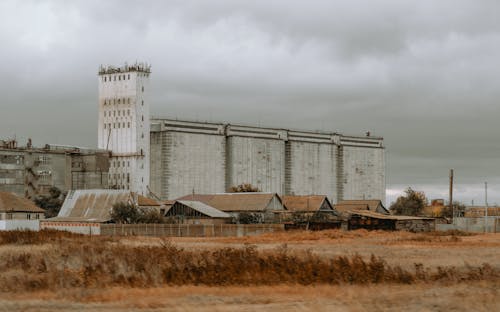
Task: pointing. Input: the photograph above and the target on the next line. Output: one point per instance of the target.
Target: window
(123, 125)
(104, 79)
(114, 113)
(128, 100)
(128, 163)
(118, 101)
(118, 113)
(104, 126)
(142, 88)
(128, 76)
(104, 101)
(142, 103)
(109, 125)
(142, 117)
(114, 78)
(142, 135)
(120, 77)
(128, 111)
(128, 125)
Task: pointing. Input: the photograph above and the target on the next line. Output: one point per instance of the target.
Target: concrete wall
(363, 173)
(10, 225)
(311, 169)
(193, 162)
(258, 161)
(187, 155)
(73, 227)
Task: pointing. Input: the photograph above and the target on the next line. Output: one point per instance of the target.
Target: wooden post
(451, 196)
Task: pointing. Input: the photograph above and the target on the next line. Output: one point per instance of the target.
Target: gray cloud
(422, 74)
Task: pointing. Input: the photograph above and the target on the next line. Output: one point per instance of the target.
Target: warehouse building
(172, 158)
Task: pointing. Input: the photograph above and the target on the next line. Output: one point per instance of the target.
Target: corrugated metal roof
(10, 202)
(309, 203)
(204, 209)
(234, 201)
(372, 214)
(92, 205)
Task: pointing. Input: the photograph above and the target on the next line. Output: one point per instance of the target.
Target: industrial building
(29, 171)
(172, 158)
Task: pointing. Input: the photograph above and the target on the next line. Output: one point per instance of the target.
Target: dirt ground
(397, 248)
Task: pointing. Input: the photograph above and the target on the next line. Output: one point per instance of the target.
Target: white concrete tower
(124, 125)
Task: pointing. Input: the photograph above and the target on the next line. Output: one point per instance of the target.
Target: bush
(128, 214)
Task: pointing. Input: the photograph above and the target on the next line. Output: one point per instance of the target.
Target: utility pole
(486, 207)
(452, 209)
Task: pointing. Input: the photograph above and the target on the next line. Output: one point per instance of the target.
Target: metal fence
(492, 225)
(190, 230)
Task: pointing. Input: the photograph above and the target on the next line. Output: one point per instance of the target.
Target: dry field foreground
(295, 271)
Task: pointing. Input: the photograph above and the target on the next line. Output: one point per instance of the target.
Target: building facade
(29, 171)
(172, 158)
(123, 126)
(206, 158)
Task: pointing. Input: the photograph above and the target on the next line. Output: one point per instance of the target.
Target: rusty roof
(91, 205)
(309, 203)
(234, 201)
(146, 201)
(10, 202)
(370, 205)
(376, 215)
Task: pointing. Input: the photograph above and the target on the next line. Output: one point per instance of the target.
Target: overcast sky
(422, 74)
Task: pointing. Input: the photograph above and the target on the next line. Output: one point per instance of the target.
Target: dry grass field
(290, 271)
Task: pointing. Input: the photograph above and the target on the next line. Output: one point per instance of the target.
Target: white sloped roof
(204, 209)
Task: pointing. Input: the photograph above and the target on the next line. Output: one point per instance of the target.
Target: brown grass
(75, 261)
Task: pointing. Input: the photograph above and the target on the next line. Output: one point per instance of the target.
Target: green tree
(51, 203)
(129, 213)
(125, 213)
(411, 204)
(244, 187)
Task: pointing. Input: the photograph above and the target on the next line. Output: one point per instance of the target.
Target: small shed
(307, 207)
(258, 207)
(17, 213)
(373, 205)
(365, 219)
(196, 212)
